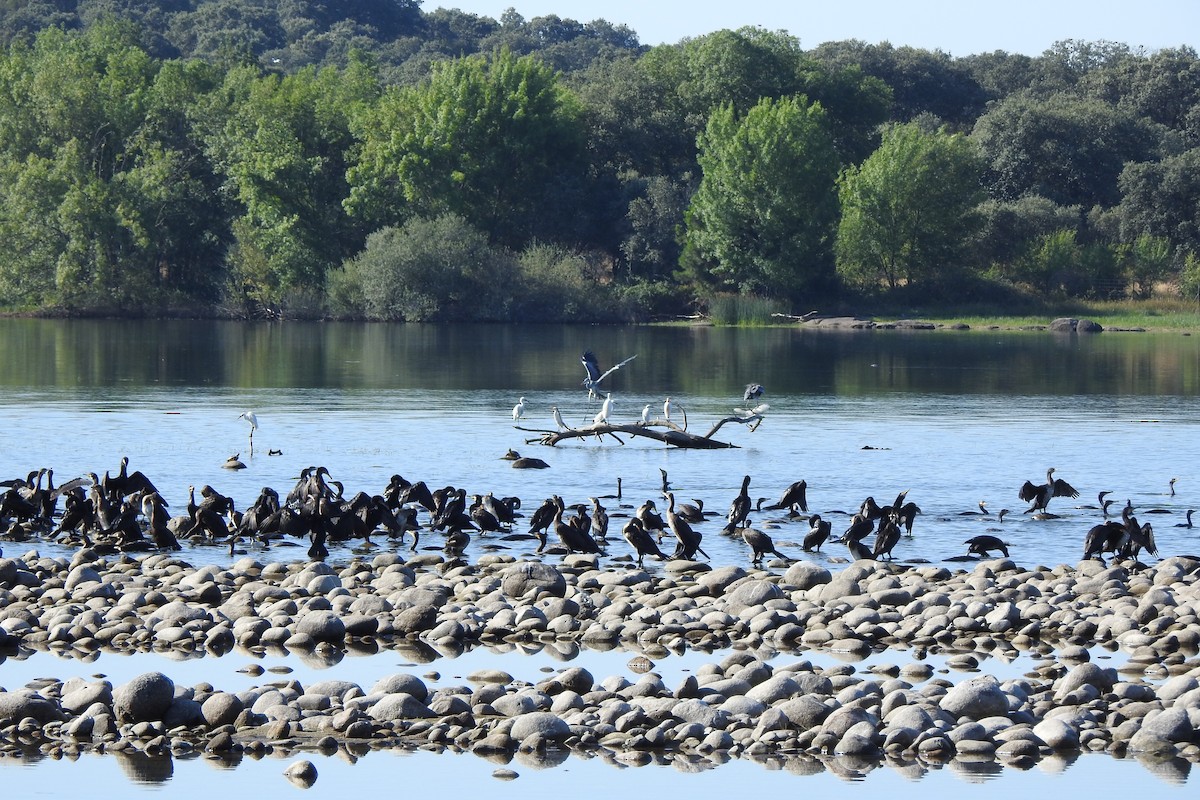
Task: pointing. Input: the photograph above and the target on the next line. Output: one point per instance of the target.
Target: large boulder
(322, 626)
(402, 682)
(977, 698)
(806, 575)
(221, 708)
(544, 723)
(146, 698)
(532, 578)
(750, 593)
(16, 706)
(400, 705)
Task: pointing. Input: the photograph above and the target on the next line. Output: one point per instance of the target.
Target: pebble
(742, 706)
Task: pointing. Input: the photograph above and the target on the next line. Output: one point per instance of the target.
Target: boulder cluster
(759, 699)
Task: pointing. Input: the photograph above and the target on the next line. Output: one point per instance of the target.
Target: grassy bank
(1152, 315)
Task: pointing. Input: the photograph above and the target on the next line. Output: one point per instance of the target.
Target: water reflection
(146, 768)
(88, 354)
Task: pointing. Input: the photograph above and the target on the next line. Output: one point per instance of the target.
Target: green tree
(1066, 149)
(106, 201)
(1058, 264)
(763, 218)
(908, 210)
(1008, 227)
(743, 66)
(1163, 199)
(1145, 261)
(496, 141)
(282, 147)
(921, 81)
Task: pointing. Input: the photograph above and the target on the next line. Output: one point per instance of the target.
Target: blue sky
(958, 27)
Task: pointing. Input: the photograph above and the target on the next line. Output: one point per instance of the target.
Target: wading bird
(252, 418)
(519, 409)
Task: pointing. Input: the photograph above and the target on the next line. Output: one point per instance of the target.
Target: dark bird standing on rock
(642, 542)
(688, 539)
(739, 509)
(572, 538)
(817, 534)
(760, 544)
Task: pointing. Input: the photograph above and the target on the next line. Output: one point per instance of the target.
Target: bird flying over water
(594, 375)
(753, 392)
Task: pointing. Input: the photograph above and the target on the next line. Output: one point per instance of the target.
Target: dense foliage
(371, 159)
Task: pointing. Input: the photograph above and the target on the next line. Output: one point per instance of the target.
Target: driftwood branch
(753, 420)
(660, 430)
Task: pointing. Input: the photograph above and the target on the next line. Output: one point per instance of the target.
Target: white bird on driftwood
(602, 417)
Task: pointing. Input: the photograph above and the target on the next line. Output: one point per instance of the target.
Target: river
(954, 418)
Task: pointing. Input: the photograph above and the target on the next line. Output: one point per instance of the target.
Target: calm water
(955, 418)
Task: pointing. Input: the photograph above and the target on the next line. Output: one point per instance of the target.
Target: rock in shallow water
(302, 773)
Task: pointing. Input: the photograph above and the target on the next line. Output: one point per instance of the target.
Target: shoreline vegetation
(373, 160)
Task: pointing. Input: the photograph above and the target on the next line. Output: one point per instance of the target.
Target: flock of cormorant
(126, 513)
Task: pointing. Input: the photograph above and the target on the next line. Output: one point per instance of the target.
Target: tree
(741, 67)
(921, 81)
(1163, 199)
(107, 202)
(496, 141)
(282, 147)
(907, 211)
(1008, 227)
(762, 220)
(1066, 149)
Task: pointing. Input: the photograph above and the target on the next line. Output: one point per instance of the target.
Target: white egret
(667, 409)
(646, 414)
(602, 417)
(594, 375)
(252, 418)
(558, 419)
(519, 409)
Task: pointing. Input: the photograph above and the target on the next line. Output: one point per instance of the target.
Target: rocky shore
(739, 706)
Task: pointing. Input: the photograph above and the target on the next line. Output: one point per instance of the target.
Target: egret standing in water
(519, 409)
(252, 418)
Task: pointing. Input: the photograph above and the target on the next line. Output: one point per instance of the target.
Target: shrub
(433, 270)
